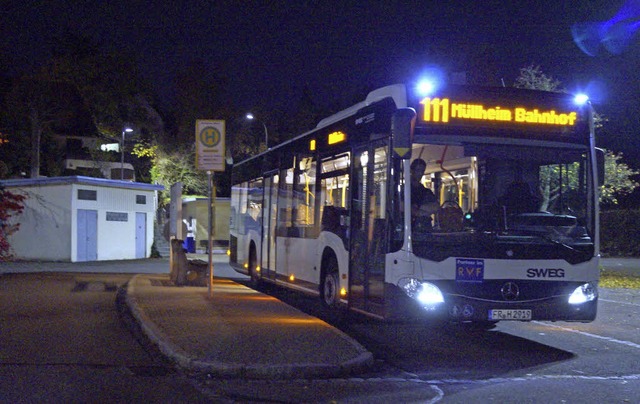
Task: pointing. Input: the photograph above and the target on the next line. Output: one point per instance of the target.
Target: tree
(36, 103)
(200, 94)
(11, 204)
(617, 178)
(81, 83)
(533, 78)
(178, 165)
(111, 89)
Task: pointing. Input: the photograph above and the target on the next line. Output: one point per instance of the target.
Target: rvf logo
(469, 270)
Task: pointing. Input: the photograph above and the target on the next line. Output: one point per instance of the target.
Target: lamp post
(125, 130)
(250, 117)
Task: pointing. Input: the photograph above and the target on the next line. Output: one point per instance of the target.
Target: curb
(362, 362)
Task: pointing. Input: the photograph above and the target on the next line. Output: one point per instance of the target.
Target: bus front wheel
(330, 284)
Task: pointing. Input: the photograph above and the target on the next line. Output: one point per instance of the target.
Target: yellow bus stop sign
(210, 148)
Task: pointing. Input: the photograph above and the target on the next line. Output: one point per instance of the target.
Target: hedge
(620, 233)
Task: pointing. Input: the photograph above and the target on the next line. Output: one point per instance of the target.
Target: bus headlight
(426, 293)
(584, 293)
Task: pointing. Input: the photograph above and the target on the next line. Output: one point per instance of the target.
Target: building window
(117, 217)
(141, 199)
(87, 195)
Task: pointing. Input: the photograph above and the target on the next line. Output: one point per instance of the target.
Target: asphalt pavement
(230, 330)
(628, 266)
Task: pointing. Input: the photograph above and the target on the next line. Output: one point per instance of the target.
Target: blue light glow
(581, 99)
(614, 35)
(425, 87)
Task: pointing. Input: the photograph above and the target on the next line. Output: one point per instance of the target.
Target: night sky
(269, 51)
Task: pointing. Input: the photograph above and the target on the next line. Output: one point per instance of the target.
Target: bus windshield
(505, 201)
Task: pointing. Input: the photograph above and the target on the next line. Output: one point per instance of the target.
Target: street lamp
(125, 130)
(250, 117)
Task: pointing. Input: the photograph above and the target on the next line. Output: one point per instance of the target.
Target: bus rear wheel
(330, 285)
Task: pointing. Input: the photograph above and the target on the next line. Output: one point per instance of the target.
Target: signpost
(210, 145)
(210, 156)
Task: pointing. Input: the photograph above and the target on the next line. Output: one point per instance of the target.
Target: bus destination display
(450, 111)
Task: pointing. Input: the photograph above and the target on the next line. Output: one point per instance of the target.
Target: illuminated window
(336, 137)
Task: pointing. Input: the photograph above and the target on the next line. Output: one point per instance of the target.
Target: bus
(329, 212)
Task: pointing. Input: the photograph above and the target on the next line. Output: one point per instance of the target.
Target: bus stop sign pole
(211, 201)
(210, 156)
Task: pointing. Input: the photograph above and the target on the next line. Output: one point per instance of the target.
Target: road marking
(615, 301)
(434, 384)
(588, 334)
(440, 382)
(439, 394)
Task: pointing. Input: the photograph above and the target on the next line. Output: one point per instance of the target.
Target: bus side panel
(243, 244)
(301, 259)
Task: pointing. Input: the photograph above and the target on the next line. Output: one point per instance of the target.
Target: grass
(615, 280)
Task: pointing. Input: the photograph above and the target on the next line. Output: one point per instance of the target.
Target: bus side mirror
(600, 166)
(403, 123)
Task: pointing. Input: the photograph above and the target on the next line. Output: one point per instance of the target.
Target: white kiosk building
(83, 219)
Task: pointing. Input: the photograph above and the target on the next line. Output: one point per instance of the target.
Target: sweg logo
(545, 273)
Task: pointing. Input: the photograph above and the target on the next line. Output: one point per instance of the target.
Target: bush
(620, 233)
(154, 251)
(11, 204)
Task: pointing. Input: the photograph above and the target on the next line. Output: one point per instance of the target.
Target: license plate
(509, 314)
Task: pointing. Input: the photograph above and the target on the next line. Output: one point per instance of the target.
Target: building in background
(84, 219)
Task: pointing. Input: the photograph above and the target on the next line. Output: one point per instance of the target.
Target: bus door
(369, 224)
(269, 212)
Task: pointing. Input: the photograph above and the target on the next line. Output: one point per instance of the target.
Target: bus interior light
(584, 293)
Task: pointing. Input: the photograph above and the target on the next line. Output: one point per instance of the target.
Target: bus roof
(397, 92)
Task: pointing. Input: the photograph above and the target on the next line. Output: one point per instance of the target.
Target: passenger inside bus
(423, 201)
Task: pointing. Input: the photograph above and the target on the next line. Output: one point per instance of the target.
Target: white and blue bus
(329, 211)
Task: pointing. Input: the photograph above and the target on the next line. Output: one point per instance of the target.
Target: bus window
(455, 188)
(236, 191)
(304, 194)
(562, 188)
(239, 198)
(285, 199)
(380, 183)
(334, 184)
(253, 208)
(335, 181)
